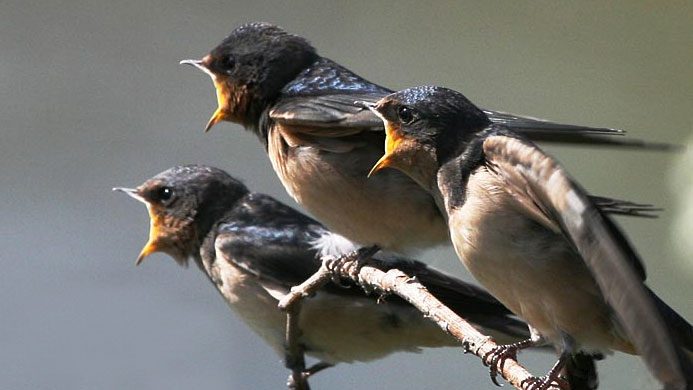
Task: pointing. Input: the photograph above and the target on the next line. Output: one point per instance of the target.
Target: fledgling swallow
(254, 249)
(531, 235)
(321, 145)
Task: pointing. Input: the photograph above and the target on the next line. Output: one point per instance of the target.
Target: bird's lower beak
(153, 244)
(393, 139)
(148, 249)
(217, 117)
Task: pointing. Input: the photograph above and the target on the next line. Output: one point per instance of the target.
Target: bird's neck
(454, 172)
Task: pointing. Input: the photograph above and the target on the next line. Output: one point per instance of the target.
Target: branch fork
(369, 277)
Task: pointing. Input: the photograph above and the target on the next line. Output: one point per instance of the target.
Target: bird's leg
(581, 371)
(496, 358)
(294, 358)
(553, 379)
(350, 264)
(291, 303)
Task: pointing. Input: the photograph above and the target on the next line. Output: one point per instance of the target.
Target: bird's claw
(545, 382)
(348, 265)
(339, 266)
(496, 358)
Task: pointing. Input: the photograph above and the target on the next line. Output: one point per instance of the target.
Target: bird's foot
(545, 382)
(496, 358)
(299, 381)
(552, 380)
(315, 368)
(350, 264)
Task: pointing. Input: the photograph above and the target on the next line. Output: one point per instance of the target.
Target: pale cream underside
(388, 209)
(335, 328)
(546, 285)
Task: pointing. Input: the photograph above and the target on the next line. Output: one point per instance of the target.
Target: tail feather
(682, 334)
(581, 371)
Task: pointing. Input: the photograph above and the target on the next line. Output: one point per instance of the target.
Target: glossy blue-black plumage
(326, 77)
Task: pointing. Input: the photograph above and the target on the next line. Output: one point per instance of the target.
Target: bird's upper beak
(131, 192)
(199, 64)
(151, 245)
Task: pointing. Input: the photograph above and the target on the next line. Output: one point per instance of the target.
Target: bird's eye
(405, 114)
(229, 63)
(162, 194)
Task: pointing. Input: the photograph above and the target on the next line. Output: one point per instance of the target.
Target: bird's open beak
(151, 245)
(218, 115)
(393, 139)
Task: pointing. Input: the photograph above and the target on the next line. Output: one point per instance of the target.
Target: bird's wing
(624, 207)
(542, 130)
(280, 247)
(531, 174)
(331, 115)
(337, 115)
(281, 256)
(536, 125)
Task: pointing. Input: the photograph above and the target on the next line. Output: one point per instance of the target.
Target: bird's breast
(328, 177)
(532, 270)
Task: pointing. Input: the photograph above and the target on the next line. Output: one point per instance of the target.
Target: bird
(321, 146)
(531, 235)
(253, 249)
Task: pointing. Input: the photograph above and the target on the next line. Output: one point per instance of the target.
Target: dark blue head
(425, 126)
(250, 67)
(183, 203)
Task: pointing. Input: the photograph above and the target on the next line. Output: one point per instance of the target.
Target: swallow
(254, 249)
(531, 235)
(321, 145)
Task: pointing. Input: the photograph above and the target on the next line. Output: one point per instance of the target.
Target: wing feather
(612, 261)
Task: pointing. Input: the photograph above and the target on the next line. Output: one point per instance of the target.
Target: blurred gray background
(93, 97)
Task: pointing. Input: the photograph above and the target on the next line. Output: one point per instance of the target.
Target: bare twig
(394, 281)
(305, 289)
(294, 357)
(331, 269)
(397, 282)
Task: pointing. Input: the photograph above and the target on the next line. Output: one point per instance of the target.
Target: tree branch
(294, 358)
(394, 281)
